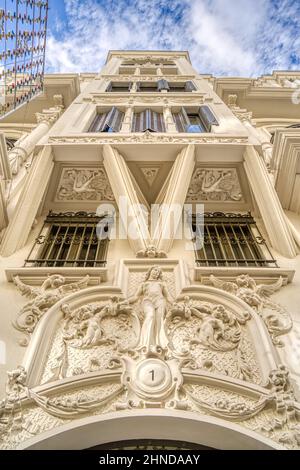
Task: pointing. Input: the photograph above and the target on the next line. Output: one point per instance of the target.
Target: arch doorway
(151, 425)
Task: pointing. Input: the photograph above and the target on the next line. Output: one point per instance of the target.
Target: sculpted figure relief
(276, 318)
(153, 296)
(53, 289)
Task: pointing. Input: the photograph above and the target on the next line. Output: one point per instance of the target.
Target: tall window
(107, 122)
(71, 240)
(200, 120)
(148, 120)
(229, 240)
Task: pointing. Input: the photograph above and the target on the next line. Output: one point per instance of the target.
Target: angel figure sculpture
(153, 297)
(53, 289)
(275, 317)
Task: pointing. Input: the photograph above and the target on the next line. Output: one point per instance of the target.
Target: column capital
(48, 116)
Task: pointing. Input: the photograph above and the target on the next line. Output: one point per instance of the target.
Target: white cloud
(224, 38)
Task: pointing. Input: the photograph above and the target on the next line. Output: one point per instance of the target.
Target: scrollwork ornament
(53, 289)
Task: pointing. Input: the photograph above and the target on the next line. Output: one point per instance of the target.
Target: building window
(163, 84)
(199, 120)
(107, 122)
(182, 87)
(119, 87)
(71, 240)
(10, 143)
(148, 120)
(146, 87)
(229, 240)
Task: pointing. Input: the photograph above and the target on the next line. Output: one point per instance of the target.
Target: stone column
(175, 197)
(19, 227)
(268, 203)
(169, 121)
(127, 199)
(127, 122)
(25, 146)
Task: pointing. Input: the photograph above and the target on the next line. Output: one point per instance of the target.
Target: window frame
(42, 255)
(234, 236)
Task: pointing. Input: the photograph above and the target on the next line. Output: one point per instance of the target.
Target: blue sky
(224, 37)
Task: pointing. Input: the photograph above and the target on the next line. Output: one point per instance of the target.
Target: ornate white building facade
(150, 335)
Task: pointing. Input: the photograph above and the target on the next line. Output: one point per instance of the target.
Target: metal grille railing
(71, 240)
(229, 240)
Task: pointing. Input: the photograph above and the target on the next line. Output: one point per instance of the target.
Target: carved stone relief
(215, 184)
(146, 137)
(78, 184)
(151, 350)
(276, 318)
(150, 174)
(41, 298)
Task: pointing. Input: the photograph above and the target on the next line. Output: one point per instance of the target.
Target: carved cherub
(54, 288)
(276, 318)
(83, 326)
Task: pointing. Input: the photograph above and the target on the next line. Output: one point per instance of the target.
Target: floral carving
(53, 289)
(77, 184)
(275, 317)
(214, 184)
(147, 138)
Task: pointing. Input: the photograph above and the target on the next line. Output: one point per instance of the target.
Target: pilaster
(268, 203)
(128, 202)
(17, 232)
(179, 182)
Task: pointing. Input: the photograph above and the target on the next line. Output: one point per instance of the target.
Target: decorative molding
(215, 184)
(138, 99)
(88, 184)
(148, 78)
(147, 138)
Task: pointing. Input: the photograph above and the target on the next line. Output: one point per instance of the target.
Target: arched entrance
(162, 425)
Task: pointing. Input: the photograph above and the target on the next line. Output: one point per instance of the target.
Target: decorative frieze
(215, 184)
(146, 138)
(84, 184)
